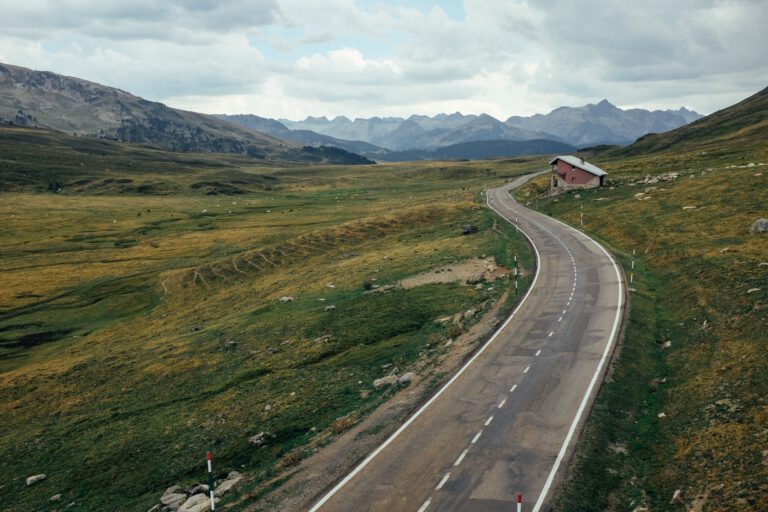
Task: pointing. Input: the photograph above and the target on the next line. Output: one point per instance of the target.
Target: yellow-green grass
(119, 368)
(691, 415)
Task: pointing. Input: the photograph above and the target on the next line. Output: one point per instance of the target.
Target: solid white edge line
(598, 372)
(442, 482)
(418, 413)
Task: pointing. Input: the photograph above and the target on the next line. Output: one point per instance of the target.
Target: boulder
(31, 480)
(389, 380)
(224, 487)
(759, 226)
(470, 313)
(259, 439)
(406, 378)
(196, 503)
(197, 489)
(286, 299)
(330, 307)
(173, 497)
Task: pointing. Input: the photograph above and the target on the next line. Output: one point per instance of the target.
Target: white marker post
(210, 480)
(516, 273)
(519, 502)
(632, 273)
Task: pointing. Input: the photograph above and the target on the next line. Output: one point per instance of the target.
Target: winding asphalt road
(506, 421)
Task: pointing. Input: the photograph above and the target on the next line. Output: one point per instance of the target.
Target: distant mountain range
(424, 137)
(76, 106)
(80, 107)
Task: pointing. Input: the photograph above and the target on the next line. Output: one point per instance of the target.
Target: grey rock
(55, 497)
(330, 307)
(285, 299)
(197, 489)
(323, 339)
(406, 378)
(196, 503)
(258, 440)
(156, 508)
(31, 480)
(389, 380)
(753, 290)
(174, 499)
(759, 226)
(224, 487)
(470, 313)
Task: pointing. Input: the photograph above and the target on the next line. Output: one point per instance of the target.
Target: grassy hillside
(79, 107)
(140, 320)
(681, 422)
(740, 125)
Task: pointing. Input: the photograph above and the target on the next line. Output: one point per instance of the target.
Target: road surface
(505, 422)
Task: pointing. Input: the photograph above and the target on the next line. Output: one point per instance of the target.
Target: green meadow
(141, 321)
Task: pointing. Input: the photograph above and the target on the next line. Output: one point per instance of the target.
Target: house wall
(566, 176)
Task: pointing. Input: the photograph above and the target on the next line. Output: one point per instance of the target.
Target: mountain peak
(605, 104)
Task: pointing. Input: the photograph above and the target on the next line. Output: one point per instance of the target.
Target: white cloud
(292, 58)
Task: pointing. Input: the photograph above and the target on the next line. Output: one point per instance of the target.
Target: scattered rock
(468, 229)
(662, 415)
(197, 489)
(676, 496)
(196, 503)
(389, 380)
(443, 319)
(286, 299)
(406, 378)
(689, 207)
(273, 350)
(330, 285)
(666, 344)
(258, 440)
(470, 313)
(36, 478)
(725, 249)
(639, 195)
(232, 479)
(55, 497)
(156, 508)
(173, 497)
(577, 196)
(763, 264)
(753, 290)
(759, 226)
(323, 339)
(267, 407)
(330, 307)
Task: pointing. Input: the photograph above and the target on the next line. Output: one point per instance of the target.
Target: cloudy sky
(360, 58)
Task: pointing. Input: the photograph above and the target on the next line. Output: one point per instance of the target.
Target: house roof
(581, 164)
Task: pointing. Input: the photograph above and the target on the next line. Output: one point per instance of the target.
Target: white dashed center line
(526, 369)
(425, 505)
(488, 421)
(513, 388)
(442, 482)
(461, 457)
(538, 353)
(501, 404)
(477, 436)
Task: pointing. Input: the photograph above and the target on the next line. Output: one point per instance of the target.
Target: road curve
(507, 419)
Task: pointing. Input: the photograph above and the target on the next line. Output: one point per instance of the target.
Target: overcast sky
(294, 58)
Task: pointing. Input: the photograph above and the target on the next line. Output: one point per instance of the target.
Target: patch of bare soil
(328, 464)
(468, 272)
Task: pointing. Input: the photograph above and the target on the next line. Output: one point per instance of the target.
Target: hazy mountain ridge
(76, 106)
(604, 123)
(577, 126)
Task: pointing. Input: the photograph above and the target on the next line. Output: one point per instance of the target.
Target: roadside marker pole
(516, 273)
(210, 480)
(519, 502)
(632, 273)
(581, 220)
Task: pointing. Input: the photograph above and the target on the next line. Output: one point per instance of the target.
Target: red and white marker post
(210, 480)
(519, 502)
